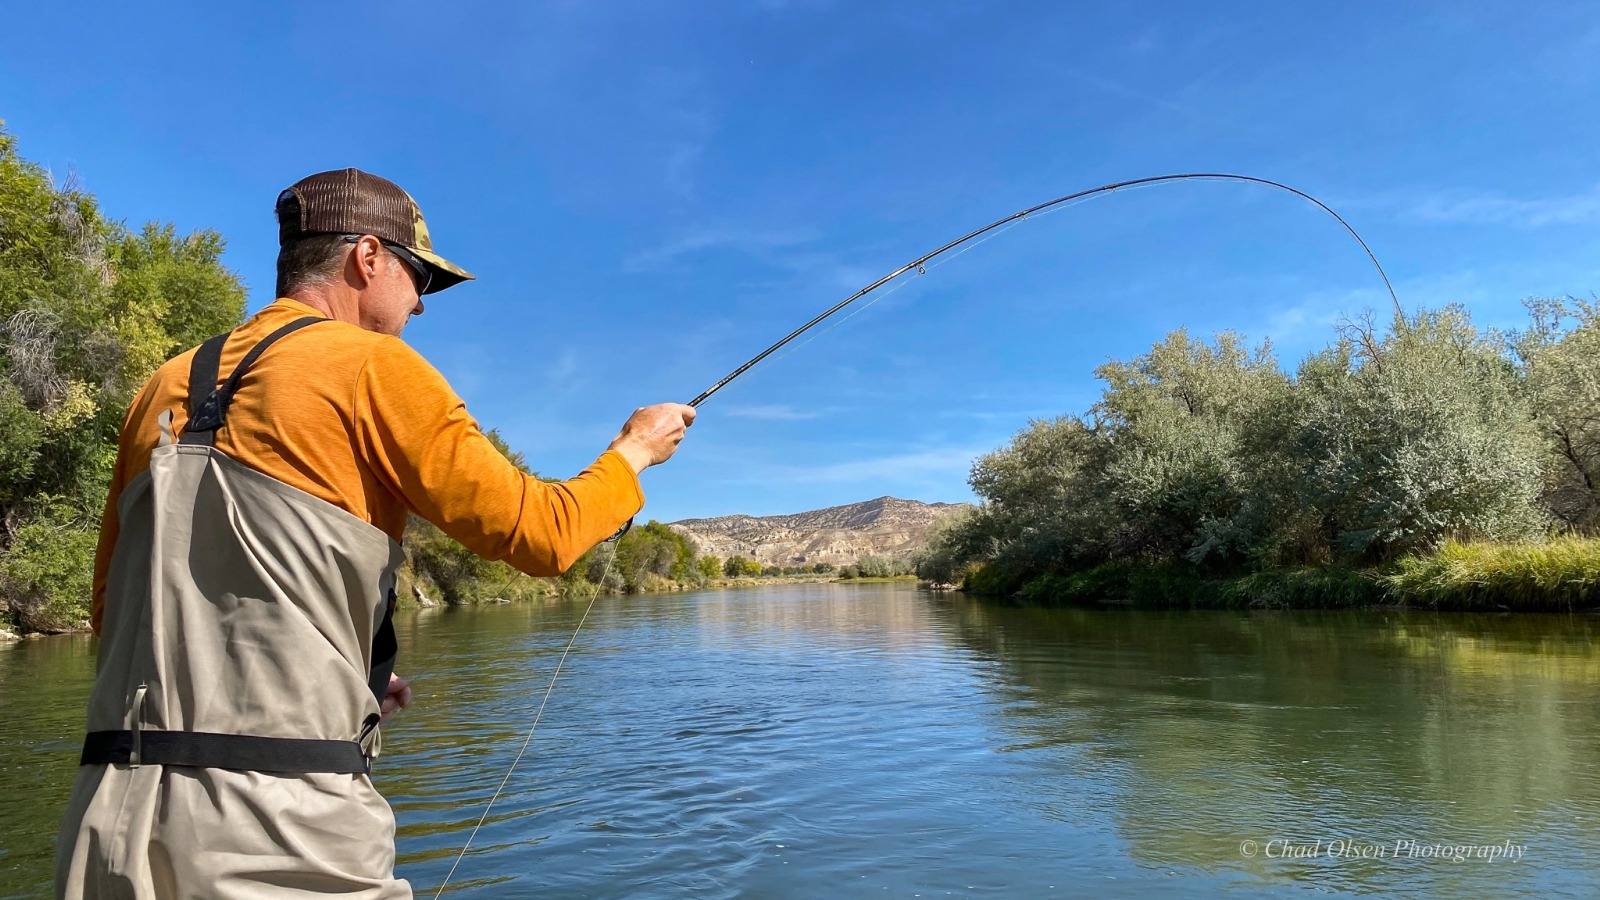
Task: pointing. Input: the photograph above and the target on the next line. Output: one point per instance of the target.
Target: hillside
(838, 534)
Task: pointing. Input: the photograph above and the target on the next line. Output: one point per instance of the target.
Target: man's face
(392, 298)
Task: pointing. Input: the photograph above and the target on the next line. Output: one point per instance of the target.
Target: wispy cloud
(681, 159)
(1312, 319)
(562, 373)
(1117, 88)
(896, 468)
(771, 413)
(786, 6)
(1498, 209)
(741, 240)
(1312, 322)
(1146, 42)
(1571, 62)
(1018, 417)
(676, 105)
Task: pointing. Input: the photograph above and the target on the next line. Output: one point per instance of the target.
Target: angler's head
(356, 246)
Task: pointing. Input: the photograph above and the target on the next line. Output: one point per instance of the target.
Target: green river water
(877, 741)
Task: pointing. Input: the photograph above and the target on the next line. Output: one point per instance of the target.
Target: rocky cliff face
(839, 534)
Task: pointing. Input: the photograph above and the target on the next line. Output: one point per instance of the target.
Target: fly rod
(921, 262)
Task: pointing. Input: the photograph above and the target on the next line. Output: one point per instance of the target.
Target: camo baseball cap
(350, 201)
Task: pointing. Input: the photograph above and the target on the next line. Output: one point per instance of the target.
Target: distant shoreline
(795, 579)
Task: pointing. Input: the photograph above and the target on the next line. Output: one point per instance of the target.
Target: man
(247, 564)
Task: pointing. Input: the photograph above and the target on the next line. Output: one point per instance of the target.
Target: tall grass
(1560, 574)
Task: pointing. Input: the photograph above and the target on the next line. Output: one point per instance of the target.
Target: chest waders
(247, 643)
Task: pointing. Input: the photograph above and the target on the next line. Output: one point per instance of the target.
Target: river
(873, 740)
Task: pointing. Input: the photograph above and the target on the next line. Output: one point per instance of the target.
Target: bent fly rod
(920, 265)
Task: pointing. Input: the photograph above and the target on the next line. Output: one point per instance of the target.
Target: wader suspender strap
(208, 404)
(208, 411)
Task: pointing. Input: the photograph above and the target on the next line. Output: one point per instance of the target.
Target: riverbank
(1562, 575)
(527, 589)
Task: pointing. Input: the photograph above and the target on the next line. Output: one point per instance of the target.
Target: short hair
(309, 260)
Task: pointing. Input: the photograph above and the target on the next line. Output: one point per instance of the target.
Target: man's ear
(364, 262)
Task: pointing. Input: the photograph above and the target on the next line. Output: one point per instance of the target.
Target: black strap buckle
(211, 413)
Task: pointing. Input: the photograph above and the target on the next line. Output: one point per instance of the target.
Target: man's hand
(652, 433)
(398, 696)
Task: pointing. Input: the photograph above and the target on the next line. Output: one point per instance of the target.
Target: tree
(871, 566)
(88, 309)
(1418, 436)
(1563, 381)
(739, 567)
(1172, 429)
(654, 551)
(949, 557)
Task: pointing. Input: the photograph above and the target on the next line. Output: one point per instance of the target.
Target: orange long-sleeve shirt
(362, 421)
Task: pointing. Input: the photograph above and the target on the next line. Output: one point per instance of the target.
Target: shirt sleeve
(417, 437)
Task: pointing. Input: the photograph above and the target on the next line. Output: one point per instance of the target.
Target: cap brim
(446, 274)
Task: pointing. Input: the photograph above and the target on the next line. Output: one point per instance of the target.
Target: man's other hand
(398, 696)
(652, 433)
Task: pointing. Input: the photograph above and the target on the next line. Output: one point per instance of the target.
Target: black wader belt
(204, 749)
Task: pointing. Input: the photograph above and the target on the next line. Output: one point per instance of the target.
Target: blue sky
(650, 193)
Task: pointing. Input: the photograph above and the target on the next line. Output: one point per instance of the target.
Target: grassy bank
(526, 589)
(1562, 575)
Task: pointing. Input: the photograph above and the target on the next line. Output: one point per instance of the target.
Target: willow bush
(1560, 355)
(1204, 463)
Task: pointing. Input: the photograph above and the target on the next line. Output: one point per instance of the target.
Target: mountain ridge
(837, 535)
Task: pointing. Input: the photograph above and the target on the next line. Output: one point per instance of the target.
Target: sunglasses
(421, 275)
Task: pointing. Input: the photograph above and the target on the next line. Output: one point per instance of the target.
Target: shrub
(46, 574)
